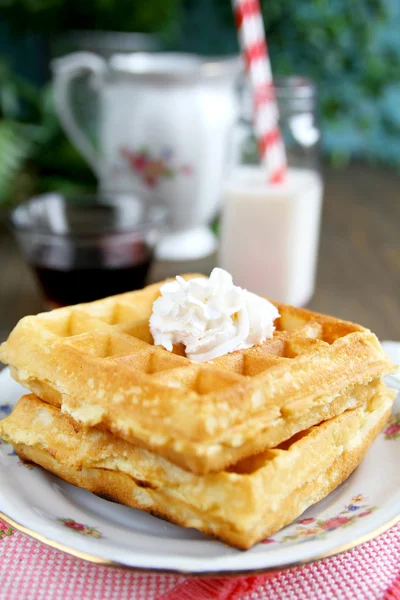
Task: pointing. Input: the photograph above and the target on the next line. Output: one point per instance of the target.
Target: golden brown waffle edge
(269, 490)
(98, 362)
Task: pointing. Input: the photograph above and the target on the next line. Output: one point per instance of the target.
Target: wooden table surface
(359, 262)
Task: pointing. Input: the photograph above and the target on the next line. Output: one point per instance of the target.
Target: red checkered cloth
(31, 571)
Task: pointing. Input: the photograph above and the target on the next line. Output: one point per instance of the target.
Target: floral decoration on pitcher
(311, 528)
(80, 528)
(392, 429)
(153, 169)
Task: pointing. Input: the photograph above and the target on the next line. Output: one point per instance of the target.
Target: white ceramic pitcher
(165, 122)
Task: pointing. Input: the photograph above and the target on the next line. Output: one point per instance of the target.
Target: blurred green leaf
(351, 49)
(15, 148)
(52, 16)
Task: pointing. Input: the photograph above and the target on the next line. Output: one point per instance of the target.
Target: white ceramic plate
(84, 525)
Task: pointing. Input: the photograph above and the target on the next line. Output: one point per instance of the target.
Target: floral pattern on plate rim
(5, 530)
(80, 527)
(8, 450)
(392, 429)
(25, 463)
(5, 410)
(306, 529)
(312, 528)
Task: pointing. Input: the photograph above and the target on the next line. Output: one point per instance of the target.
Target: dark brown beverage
(64, 287)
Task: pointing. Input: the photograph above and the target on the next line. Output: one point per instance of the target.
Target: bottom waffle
(241, 506)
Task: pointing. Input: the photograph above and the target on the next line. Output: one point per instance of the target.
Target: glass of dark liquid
(86, 248)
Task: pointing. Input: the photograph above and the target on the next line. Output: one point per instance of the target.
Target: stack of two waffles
(237, 447)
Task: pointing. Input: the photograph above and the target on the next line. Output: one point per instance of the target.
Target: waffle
(98, 363)
(241, 505)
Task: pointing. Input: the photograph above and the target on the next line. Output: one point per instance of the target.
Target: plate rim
(93, 559)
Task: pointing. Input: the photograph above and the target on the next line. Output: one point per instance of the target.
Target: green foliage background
(350, 47)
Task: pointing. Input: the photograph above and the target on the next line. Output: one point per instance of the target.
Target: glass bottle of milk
(270, 233)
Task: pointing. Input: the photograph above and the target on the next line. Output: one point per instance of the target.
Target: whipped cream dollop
(210, 316)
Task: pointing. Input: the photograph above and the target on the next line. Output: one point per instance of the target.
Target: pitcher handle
(65, 70)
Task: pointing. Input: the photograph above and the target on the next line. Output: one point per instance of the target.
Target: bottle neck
(294, 95)
(298, 123)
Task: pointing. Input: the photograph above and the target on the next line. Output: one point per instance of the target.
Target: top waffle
(98, 362)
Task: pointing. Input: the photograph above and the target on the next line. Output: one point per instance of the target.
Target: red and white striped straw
(250, 26)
